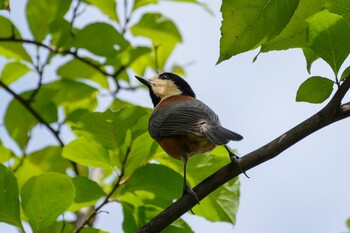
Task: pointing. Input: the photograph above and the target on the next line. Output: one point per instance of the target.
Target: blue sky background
(306, 188)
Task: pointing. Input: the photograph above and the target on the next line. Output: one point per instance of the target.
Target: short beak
(143, 81)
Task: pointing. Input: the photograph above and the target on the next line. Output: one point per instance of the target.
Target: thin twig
(40, 70)
(75, 14)
(109, 195)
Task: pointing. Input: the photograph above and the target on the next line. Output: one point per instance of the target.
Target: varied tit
(182, 125)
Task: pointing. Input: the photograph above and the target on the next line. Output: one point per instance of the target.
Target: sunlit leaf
(323, 38)
(41, 14)
(315, 90)
(87, 153)
(140, 3)
(141, 152)
(13, 71)
(100, 38)
(109, 7)
(248, 24)
(294, 34)
(9, 200)
(158, 28)
(77, 69)
(11, 49)
(44, 160)
(5, 153)
(45, 197)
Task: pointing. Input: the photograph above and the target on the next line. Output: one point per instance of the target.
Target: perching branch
(332, 112)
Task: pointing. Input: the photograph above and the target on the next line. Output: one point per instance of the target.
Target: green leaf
(5, 5)
(158, 28)
(37, 199)
(87, 193)
(109, 7)
(9, 201)
(142, 150)
(5, 153)
(60, 227)
(11, 49)
(77, 69)
(162, 32)
(41, 14)
(13, 71)
(294, 34)
(87, 153)
(222, 204)
(348, 223)
(109, 128)
(147, 193)
(345, 74)
(19, 121)
(310, 57)
(73, 95)
(101, 39)
(248, 24)
(324, 38)
(340, 7)
(179, 226)
(60, 29)
(315, 90)
(92, 230)
(86, 190)
(44, 160)
(140, 3)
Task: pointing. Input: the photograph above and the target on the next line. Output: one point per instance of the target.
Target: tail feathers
(221, 136)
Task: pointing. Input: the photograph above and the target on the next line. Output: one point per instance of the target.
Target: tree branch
(38, 117)
(331, 113)
(59, 51)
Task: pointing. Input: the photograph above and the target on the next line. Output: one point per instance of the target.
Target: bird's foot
(187, 189)
(234, 159)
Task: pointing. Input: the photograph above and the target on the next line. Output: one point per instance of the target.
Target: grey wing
(190, 117)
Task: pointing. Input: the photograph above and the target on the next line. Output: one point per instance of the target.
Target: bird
(183, 125)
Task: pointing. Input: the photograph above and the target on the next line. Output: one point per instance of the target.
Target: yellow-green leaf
(45, 197)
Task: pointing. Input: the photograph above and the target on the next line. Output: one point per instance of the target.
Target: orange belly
(177, 146)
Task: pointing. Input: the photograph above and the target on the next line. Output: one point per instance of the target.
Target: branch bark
(332, 112)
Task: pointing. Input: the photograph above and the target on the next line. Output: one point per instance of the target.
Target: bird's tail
(221, 136)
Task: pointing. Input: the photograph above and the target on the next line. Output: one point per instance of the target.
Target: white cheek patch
(164, 88)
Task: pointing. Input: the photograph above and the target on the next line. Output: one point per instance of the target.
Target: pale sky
(306, 188)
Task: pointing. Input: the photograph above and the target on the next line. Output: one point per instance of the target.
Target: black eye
(163, 76)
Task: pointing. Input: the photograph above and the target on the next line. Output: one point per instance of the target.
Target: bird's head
(165, 85)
